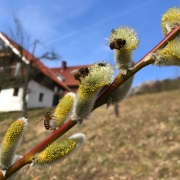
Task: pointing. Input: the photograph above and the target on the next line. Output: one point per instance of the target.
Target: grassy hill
(142, 144)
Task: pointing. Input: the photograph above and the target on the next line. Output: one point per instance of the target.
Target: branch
(101, 99)
(49, 55)
(145, 61)
(34, 47)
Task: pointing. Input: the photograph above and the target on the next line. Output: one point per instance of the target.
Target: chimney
(63, 66)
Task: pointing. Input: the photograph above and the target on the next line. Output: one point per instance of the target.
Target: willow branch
(145, 61)
(27, 159)
(101, 99)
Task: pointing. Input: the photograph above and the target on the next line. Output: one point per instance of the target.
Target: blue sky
(76, 29)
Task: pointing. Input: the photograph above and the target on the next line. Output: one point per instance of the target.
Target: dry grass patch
(143, 143)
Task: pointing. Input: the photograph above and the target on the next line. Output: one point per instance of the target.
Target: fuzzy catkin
(58, 150)
(170, 55)
(123, 55)
(89, 87)
(120, 93)
(11, 142)
(63, 110)
(170, 19)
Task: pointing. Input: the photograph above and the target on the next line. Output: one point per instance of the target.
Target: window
(41, 95)
(60, 77)
(55, 88)
(16, 91)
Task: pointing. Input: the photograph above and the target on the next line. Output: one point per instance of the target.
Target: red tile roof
(66, 72)
(17, 49)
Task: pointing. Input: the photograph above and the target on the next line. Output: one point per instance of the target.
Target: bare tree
(28, 72)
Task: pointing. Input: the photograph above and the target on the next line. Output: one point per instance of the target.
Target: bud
(58, 150)
(123, 41)
(11, 142)
(100, 74)
(63, 110)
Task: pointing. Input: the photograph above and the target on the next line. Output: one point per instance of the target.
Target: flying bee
(47, 117)
(117, 44)
(79, 73)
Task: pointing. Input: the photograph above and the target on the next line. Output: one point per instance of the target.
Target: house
(64, 73)
(44, 88)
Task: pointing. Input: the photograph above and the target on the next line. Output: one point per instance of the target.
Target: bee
(113, 30)
(117, 44)
(47, 117)
(79, 73)
(102, 64)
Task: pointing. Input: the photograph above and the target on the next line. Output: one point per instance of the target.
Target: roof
(27, 57)
(67, 73)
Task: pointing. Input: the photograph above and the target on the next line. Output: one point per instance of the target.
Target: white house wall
(8, 102)
(34, 90)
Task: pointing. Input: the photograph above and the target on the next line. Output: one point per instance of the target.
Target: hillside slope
(142, 144)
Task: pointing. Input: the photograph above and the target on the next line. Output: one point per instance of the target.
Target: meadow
(143, 143)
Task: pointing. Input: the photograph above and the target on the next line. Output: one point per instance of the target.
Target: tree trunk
(24, 105)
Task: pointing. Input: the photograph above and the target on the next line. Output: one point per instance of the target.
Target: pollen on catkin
(11, 141)
(63, 110)
(58, 150)
(170, 20)
(174, 46)
(89, 87)
(123, 41)
(169, 56)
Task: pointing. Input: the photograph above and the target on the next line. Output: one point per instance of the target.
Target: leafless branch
(49, 55)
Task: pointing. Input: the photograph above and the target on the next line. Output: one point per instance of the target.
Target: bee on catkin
(123, 41)
(79, 73)
(100, 74)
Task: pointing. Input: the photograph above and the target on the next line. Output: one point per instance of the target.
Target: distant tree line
(156, 86)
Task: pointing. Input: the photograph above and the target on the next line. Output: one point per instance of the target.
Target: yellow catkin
(98, 77)
(84, 92)
(128, 34)
(63, 110)
(89, 87)
(174, 46)
(11, 141)
(172, 15)
(123, 52)
(55, 151)
(63, 107)
(169, 56)
(12, 134)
